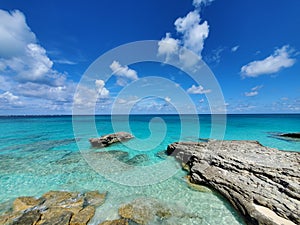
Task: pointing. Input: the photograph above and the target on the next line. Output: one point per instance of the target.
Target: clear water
(38, 154)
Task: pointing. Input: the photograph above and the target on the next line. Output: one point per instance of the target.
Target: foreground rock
(54, 208)
(262, 183)
(109, 139)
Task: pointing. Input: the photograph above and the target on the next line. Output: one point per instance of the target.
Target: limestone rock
(115, 222)
(28, 218)
(94, 198)
(23, 203)
(83, 216)
(138, 159)
(55, 216)
(262, 183)
(109, 139)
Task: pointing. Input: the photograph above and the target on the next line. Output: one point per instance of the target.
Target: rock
(94, 198)
(23, 203)
(115, 222)
(161, 154)
(262, 183)
(196, 187)
(109, 139)
(290, 135)
(54, 208)
(120, 155)
(143, 210)
(140, 159)
(55, 216)
(28, 218)
(83, 216)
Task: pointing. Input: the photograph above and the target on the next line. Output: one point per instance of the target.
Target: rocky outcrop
(109, 139)
(144, 211)
(54, 208)
(262, 183)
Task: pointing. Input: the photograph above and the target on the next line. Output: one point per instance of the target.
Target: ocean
(42, 153)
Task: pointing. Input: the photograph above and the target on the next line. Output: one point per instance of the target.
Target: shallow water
(38, 154)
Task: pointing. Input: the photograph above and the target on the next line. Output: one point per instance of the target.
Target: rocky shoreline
(262, 183)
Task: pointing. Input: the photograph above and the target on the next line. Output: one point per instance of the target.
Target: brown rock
(28, 218)
(83, 216)
(94, 198)
(8, 218)
(23, 203)
(55, 216)
(115, 222)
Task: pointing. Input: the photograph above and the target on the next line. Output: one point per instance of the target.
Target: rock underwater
(262, 183)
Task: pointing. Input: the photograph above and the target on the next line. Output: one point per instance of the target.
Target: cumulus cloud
(124, 73)
(198, 3)
(168, 46)
(194, 33)
(28, 78)
(9, 100)
(101, 90)
(254, 91)
(198, 90)
(281, 58)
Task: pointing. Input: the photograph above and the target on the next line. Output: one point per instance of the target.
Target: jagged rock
(55, 216)
(115, 222)
(23, 203)
(28, 218)
(54, 208)
(94, 198)
(262, 183)
(83, 216)
(109, 139)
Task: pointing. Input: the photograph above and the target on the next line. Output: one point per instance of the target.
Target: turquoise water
(38, 154)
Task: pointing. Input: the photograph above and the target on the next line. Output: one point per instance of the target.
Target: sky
(251, 47)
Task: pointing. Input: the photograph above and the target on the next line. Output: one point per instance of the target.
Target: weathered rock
(262, 183)
(94, 198)
(54, 208)
(83, 216)
(55, 216)
(120, 155)
(28, 218)
(23, 203)
(144, 210)
(109, 139)
(115, 222)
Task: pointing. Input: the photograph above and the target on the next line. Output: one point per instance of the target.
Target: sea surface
(42, 153)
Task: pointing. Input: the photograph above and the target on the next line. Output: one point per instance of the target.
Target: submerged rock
(54, 208)
(109, 139)
(140, 159)
(262, 183)
(115, 222)
(290, 135)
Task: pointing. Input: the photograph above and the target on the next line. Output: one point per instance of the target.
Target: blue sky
(252, 48)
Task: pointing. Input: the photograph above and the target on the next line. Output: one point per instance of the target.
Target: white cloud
(123, 73)
(168, 46)
(198, 3)
(21, 56)
(167, 99)
(254, 91)
(102, 91)
(15, 34)
(235, 48)
(194, 33)
(9, 100)
(198, 90)
(281, 58)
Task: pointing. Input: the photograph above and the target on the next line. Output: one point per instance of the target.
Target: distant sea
(42, 153)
